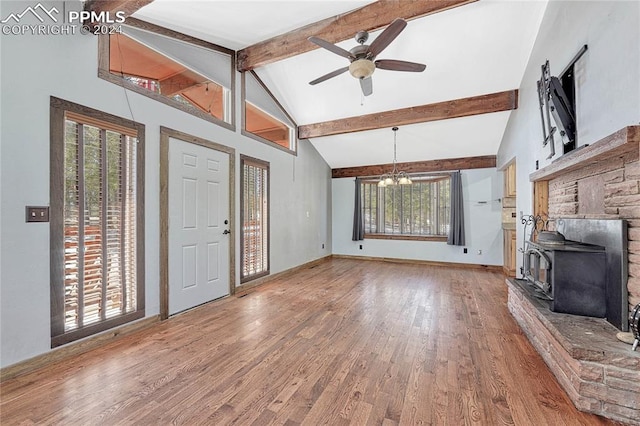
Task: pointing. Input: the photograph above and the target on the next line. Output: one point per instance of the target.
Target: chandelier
(394, 177)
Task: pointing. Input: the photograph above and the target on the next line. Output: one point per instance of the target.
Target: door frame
(165, 136)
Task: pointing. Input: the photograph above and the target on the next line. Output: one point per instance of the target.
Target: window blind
(255, 219)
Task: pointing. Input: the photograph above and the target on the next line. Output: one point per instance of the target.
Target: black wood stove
(581, 268)
(571, 274)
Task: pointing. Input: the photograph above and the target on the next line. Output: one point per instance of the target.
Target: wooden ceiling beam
(475, 105)
(371, 17)
(430, 166)
(272, 134)
(129, 7)
(175, 84)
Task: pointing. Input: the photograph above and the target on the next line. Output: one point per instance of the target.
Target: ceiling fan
(362, 57)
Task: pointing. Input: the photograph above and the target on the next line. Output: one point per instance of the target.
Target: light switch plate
(37, 213)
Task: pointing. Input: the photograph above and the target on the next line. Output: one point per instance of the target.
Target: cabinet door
(510, 181)
(509, 247)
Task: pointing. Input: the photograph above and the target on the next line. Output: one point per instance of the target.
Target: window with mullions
(417, 211)
(96, 227)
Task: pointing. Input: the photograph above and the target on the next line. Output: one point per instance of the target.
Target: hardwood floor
(344, 342)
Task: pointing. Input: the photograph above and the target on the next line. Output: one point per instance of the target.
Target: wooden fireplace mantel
(619, 143)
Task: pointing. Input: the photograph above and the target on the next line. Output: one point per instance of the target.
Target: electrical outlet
(464, 250)
(360, 246)
(322, 245)
(479, 251)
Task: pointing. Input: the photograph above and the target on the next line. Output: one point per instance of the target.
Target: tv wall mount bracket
(554, 102)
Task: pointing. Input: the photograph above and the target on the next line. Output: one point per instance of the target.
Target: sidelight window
(254, 187)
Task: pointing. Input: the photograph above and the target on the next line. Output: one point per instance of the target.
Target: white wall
(607, 80)
(33, 68)
(482, 225)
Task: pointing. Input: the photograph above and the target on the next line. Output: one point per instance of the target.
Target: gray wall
(482, 216)
(33, 68)
(607, 80)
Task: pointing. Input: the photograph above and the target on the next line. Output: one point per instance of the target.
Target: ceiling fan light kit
(362, 57)
(362, 68)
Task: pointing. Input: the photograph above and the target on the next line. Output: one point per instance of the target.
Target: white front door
(198, 219)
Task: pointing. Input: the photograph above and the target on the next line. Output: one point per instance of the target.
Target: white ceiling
(237, 24)
(471, 50)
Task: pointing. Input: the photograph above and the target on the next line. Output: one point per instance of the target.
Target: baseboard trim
(508, 273)
(491, 268)
(250, 286)
(74, 349)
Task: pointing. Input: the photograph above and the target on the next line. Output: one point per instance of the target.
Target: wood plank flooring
(344, 342)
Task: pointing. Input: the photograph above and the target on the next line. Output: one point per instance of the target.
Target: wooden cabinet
(510, 180)
(509, 218)
(509, 250)
(541, 198)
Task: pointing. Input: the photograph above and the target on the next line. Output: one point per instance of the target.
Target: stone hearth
(600, 374)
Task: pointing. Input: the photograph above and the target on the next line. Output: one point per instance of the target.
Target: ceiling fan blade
(331, 47)
(387, 36)
(394, 65)
(367, 86)
(328, 76)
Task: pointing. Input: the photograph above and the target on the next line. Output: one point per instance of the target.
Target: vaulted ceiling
(471, 49)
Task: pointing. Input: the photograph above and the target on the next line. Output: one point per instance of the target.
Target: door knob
(226, 231)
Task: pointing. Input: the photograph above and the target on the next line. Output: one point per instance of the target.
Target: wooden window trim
(245, 159)
(102, 124)
(90, 330)
(405, 237)
(244, 117)
(431, 178)
(59, 109)
(105, 74)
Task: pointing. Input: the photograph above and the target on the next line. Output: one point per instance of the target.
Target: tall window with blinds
(420, 210)
(254, 199)
(97, 206)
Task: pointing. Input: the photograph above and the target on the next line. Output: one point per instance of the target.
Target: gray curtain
(456, 222)
(358, 220)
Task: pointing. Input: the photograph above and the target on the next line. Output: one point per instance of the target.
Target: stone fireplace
(600, 181)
